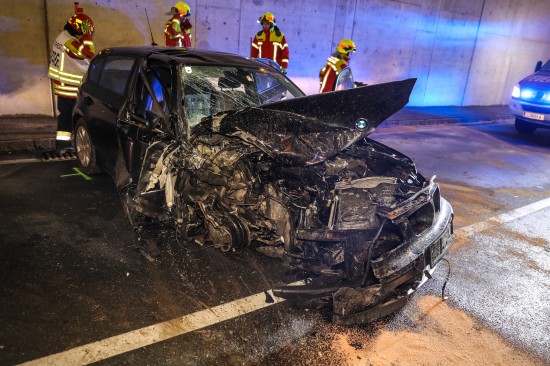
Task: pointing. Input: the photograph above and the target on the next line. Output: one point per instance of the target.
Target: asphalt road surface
(77, 289)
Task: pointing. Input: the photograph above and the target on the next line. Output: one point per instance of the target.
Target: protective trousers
(64, 122)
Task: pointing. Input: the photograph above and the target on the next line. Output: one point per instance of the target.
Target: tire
(85, 151)
(525, 127)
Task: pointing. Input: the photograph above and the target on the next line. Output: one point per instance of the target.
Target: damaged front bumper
(399, 272)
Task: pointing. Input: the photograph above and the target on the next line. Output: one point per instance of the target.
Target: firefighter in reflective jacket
(71, 54)
(270, 42)
(335, 64)
(177, 30)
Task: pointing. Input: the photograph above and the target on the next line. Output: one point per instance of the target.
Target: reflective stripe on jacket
(328, 74)
(68, 64)
(272, 45)
(177, 32)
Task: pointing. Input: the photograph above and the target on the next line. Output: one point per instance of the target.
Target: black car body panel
(229, 152)
(344, 108)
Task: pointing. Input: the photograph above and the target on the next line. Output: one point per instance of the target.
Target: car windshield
(208, 90)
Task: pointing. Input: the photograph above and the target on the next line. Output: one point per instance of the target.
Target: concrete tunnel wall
(463, 52)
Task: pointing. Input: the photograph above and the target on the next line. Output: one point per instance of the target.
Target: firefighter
(177, 30)
(71, 54)
(270, 42)
(335, 64)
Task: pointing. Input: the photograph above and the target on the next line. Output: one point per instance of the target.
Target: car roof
(188, 56)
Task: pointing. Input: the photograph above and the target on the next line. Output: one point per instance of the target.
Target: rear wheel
(84, 147)
(525, 127)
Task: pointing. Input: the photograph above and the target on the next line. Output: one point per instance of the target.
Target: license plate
(536, 116)
(439, 248)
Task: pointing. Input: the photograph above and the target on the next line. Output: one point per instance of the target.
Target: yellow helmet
(183, 8)
(346, 46)
(267, 17)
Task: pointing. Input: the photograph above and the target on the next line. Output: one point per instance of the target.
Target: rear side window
(95, 69)
(116, 73)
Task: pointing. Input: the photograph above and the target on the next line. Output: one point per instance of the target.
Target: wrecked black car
(229, 152)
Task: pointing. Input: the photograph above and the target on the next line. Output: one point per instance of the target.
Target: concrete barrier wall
(463, 52)
(24, 82)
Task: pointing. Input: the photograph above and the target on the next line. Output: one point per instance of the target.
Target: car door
(103, 100)
(144, 130)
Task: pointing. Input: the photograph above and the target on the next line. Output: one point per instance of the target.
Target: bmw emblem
(361, 123)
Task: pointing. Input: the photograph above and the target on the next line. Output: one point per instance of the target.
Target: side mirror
(152, 119)
(538, 66)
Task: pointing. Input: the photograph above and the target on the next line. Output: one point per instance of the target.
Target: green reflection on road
(78, 172)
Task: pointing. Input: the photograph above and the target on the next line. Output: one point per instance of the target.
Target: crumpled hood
(312, 129)
(375, 103)
(290, 138)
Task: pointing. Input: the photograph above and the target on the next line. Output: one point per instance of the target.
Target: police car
(530, 101)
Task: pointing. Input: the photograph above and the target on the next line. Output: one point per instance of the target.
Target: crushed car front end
(296, 178)
(381, 237)
(364, 226)
(353, 215)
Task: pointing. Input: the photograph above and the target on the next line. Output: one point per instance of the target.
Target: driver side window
(269, 88)
(155, 97)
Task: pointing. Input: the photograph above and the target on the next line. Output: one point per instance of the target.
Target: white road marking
(35, 160)
(113, 346)
(21, 161)
(139, 338)
(504, 218)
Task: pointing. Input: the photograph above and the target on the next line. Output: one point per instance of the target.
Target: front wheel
(525, 127)
(85, 151)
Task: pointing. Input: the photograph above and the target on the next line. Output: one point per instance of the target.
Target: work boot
(63, 150)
